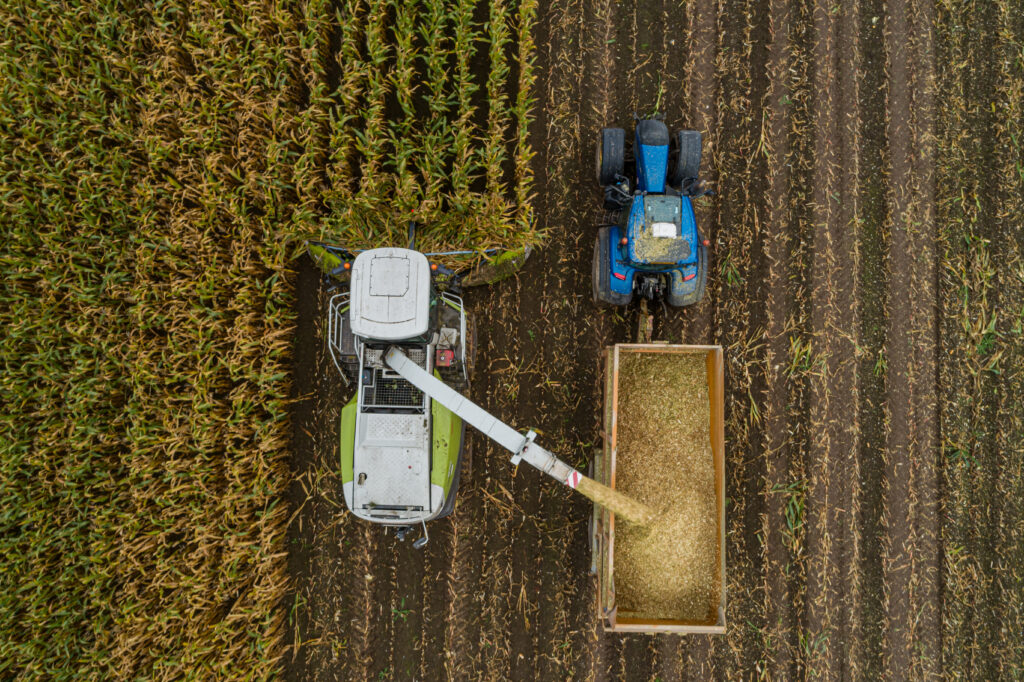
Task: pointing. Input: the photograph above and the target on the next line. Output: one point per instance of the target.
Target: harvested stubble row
(664, 460)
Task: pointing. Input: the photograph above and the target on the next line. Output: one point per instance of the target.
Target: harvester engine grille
(396, 392)
(383, 388)
(374, 357)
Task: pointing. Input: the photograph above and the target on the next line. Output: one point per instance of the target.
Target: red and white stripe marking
(573, 479)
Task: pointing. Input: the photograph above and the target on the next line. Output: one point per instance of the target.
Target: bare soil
(817, 121)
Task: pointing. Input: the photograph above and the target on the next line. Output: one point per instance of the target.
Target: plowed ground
(874, 508)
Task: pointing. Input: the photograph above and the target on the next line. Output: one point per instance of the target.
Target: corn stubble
(159, 165)
(668, 568)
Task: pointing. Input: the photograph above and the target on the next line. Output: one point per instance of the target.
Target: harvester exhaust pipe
(522, 447)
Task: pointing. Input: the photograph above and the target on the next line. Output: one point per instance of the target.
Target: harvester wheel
(609, 157)
(685, 155)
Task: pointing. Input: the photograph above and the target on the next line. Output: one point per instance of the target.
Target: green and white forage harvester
(401, 336)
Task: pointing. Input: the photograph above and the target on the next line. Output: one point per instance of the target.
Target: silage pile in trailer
(159, 165)
(669, 569)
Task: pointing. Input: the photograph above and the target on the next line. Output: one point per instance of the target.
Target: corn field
(428, 124)
(159, 166)
(170, 506)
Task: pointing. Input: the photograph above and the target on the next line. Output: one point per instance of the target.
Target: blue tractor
(648, 245)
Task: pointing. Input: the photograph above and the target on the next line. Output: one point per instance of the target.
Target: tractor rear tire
(686, 157)
(610, 154)
(600, 286)
(702, 280)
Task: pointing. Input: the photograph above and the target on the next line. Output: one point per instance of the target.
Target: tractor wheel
(702, 273)
(609, 156)
(600, 287)
(685, 154)
(702, 280)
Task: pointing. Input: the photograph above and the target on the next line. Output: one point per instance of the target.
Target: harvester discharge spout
(523, 448)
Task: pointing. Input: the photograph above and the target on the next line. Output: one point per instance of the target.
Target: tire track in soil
(363, 576)
(910, 491)
(896, 559)
(408, 604)
(383, 586)
(927, 551)
(500, 498)
(739, 314)
(466, 562)
(778, 596)
(433, 596)
(831, 500)
(872, 287)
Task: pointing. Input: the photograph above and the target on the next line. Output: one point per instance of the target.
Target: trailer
(635, 593)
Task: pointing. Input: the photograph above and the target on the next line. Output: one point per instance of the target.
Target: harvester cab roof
(391, 295)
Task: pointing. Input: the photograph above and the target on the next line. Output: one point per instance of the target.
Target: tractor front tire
(610, 155)
(685, 155)
(601, 289)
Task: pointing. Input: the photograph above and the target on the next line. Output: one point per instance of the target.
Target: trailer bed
(664, 445)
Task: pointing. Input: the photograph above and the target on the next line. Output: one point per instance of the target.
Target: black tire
(600, 288)
(609, 156)
(685, 155)
(702, 280)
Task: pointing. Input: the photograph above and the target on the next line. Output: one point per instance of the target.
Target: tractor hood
(390, 294)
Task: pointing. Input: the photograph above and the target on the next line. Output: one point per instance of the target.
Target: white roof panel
(390, 294)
